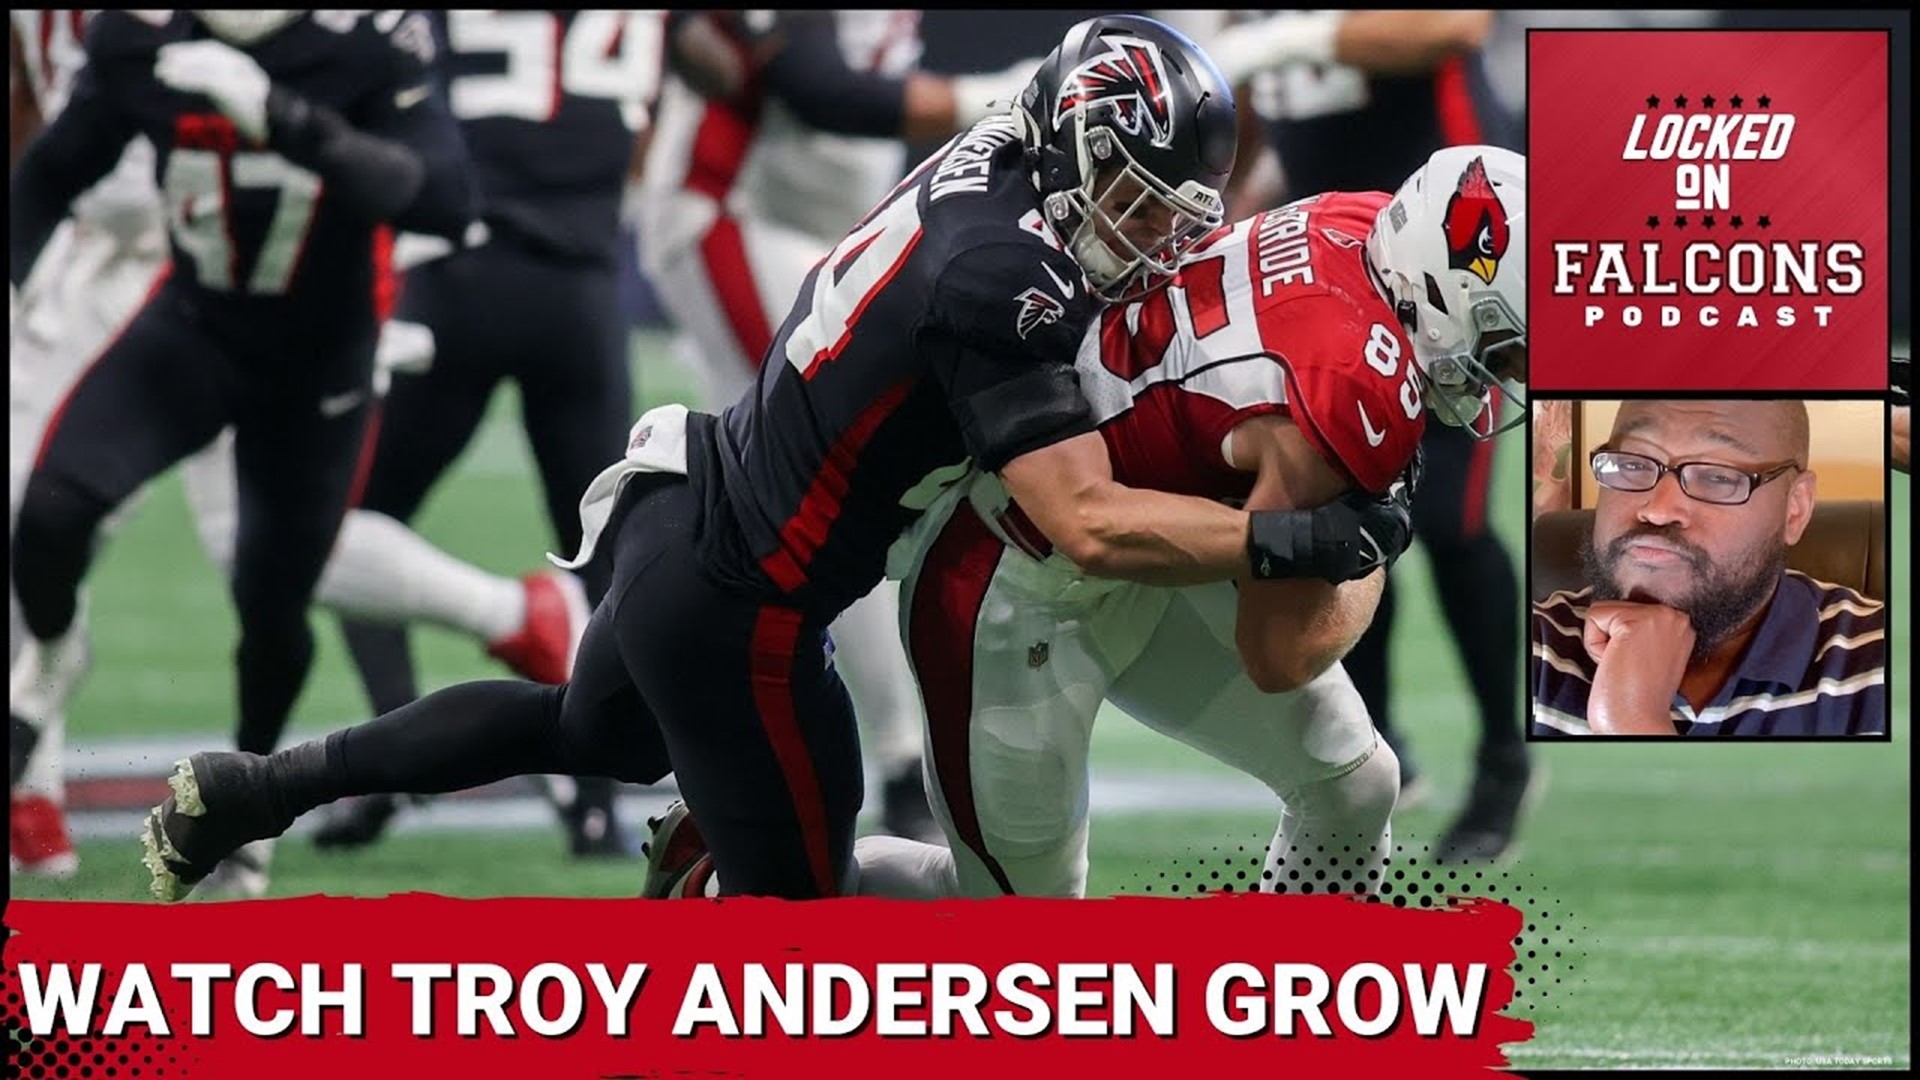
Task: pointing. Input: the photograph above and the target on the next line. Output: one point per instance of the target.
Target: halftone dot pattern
(1547, 957)
(59, 1056)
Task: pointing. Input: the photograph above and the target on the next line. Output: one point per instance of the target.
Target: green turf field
(1742, 906)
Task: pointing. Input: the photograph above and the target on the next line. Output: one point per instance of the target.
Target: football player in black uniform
(550, 130)
(941, 331)
(283, 140)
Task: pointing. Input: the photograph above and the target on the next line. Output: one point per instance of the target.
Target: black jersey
(941, 330)
(1337, 128)
(263, 247)
(549, 102)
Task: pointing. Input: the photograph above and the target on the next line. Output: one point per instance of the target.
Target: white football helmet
(246, 27)
(1451, 249)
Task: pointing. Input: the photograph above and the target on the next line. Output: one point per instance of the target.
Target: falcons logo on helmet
(1476, 224)
(1132, 80)
(1037, 309)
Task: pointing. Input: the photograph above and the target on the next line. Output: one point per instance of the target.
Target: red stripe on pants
(1473, 520)
(1459, 123)
(776, 633)
(66, 399)
(723, 253)
(947, 596)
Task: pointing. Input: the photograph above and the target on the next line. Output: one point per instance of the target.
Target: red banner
(424, 985)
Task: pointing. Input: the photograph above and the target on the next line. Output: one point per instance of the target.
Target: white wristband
(1301, 37)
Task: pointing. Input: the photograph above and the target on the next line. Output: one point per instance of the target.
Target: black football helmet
(1130, 135)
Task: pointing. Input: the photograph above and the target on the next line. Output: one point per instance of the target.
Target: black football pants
(162, 389)
(733, 695)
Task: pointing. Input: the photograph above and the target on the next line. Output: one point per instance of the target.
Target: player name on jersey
(965, 168)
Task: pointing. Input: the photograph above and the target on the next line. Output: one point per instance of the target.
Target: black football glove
(1900, 379)
(1348, 538)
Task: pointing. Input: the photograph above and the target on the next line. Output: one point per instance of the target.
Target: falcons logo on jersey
(1476, 224)
(1132, 79)
(1037, 309)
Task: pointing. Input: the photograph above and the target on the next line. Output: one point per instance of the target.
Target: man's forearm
(1155, 538)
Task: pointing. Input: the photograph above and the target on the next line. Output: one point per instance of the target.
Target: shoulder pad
(1015, 292)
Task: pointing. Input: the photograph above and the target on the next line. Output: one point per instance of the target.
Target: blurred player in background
(1276, 372)
(751, 177)
(550, 103)
(98, 267)
(1355, 101)
(282, 143)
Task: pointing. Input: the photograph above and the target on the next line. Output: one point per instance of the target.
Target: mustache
(1666, 534)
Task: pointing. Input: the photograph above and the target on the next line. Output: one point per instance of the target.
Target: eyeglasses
(1705, 481)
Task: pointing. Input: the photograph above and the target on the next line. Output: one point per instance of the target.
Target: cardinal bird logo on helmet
(1130, 78)
(1476, 224)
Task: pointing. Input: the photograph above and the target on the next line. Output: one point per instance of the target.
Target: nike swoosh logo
(341, 404)
(407, 99)
(1374, 438)
(1066, 290)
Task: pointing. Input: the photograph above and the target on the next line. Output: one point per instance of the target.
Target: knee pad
(1360, 800)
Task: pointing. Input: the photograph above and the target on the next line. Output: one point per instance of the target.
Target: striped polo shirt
(1816, 667)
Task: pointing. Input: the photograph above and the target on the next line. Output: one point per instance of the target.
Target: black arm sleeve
(811, 75)
(402, 160)
(1006, 407)
(378, 178)
(68, 156)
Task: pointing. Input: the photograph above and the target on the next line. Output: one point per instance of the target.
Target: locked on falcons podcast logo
(1476, 224)
(1131, 79)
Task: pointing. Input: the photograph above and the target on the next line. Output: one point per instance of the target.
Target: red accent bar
(949, 591)
(776, 633)
(806, 530)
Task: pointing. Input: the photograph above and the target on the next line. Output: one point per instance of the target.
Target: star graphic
(1736, 101)
(1707, 102)
(1707, 221)
(1679, 101)
(1680, 221)
(1653, 221)
(1766, 102)
(1736, 221)
(1653, 101)
(1766, 222)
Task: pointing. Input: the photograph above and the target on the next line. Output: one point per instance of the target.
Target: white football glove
(404, 347)
(977, 97)
(223, 75)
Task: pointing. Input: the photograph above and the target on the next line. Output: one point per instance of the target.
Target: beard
(1724, 595)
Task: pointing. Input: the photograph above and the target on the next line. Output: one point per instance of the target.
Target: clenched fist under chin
(1641, 651)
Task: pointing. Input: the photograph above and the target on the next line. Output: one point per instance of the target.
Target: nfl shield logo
(1037, 654)
(640, 438)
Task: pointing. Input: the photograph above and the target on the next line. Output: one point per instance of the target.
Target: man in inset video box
(1691, 623)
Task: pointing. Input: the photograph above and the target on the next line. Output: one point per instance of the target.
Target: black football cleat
(356, 822)
(22, 737)
(593, 827)
(221, 800)
(1484, 832)
(903, 808)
